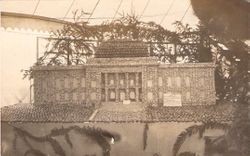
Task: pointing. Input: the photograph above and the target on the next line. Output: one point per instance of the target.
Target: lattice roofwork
(122, 48)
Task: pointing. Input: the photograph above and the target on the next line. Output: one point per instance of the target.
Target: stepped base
(119, 107)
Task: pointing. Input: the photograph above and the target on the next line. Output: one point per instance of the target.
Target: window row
(71, 96)
(174, 81)
(67, 83)
(121, 79)
(186, 96)
(113, 95)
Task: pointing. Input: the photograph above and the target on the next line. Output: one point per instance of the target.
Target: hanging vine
(145, 136)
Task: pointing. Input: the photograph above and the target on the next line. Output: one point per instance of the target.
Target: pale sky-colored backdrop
(18, 48)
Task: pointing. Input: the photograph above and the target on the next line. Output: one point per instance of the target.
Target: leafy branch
(97, 134)
(196, 129)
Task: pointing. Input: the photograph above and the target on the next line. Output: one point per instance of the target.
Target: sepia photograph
(125, 77)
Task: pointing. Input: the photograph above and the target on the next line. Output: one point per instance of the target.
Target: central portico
(117, 81)
(120, 68)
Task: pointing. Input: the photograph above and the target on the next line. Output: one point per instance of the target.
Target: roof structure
(30, 22)
(102, 11)
(122, 48)
(78, 113)
(45, 113)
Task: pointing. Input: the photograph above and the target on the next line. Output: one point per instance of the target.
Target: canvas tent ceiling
(147, 10)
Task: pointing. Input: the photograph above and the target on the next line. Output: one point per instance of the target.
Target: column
(116, 87)
(127, 86)
(106, 86)
(137, 86)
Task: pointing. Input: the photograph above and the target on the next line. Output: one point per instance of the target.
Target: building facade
(123, 73)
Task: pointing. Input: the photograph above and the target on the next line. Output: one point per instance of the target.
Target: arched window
(83, 82)
(202, 82)
(122, 95)
(93, 96)
(66, 96)
(66, 83)
(83, 95)
(93, 84)
(75, 82)
(187, 81)
(188, 97)
(150, 96)
(58, 83)
(112, 95)
(75, 96)
(150, 83)
(178, 81)
(169, 82)
(160, 95)
(160, 81)
(58, 97)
